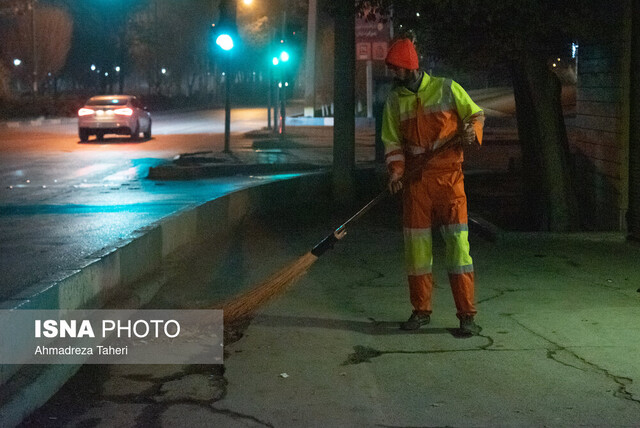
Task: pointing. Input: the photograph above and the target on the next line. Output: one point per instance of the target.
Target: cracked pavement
(559, 344)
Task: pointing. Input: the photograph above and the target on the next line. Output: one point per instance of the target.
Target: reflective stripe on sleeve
(394, 158)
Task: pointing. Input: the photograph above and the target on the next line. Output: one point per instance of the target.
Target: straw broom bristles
(243, 305)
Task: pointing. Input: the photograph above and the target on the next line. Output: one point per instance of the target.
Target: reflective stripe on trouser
(438, 199)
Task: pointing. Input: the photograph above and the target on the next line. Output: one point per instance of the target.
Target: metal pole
(369, 89)
(276, 103)
(283, 108)
(310, 63)
(227, 106)
(35, 55)
(269, 79)
(283, 74)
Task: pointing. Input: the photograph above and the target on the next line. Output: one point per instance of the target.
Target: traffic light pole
(283, 109)
(269, 83)
(227, 106)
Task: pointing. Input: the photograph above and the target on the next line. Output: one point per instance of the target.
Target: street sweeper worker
(426, 122)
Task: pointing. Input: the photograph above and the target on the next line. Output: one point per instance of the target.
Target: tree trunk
(547, 173)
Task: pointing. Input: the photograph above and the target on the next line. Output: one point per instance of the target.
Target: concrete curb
(174, 172)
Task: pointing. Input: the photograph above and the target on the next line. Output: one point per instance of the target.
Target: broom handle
(328, 242)
(364, 210)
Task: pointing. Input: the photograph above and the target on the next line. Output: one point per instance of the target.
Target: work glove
(395, 183)
(468, 134)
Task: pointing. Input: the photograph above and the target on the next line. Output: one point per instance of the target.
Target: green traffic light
(284, 56)
(225, 42)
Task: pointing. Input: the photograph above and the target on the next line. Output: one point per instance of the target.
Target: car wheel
(83, 134)
(147, 133)
(136, 132)
(100, 136)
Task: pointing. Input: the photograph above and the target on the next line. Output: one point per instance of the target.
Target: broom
(245, 304)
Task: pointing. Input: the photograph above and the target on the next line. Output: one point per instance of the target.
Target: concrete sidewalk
(558, 348)
(559, 345)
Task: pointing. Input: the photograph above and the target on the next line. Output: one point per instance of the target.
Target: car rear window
(108, 102)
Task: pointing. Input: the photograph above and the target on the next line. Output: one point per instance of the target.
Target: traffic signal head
(225, 41)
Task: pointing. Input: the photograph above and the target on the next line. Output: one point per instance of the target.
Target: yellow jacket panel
(415, 124)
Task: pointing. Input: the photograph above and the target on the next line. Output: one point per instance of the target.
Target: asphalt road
(62, 200)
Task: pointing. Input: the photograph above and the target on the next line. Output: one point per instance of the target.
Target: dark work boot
(416, 320)
(468, 327)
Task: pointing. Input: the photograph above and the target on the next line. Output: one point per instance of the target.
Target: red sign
(363, 51)
(372, 39)
(379, 50)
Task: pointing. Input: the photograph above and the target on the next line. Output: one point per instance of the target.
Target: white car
(113, 114)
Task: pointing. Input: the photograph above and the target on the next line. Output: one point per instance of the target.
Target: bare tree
(53, 28)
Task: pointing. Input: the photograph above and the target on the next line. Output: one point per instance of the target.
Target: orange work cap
(402, 54)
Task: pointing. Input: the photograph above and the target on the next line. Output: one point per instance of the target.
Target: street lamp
(17, 62)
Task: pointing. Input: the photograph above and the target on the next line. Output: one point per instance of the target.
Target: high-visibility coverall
(415, 127)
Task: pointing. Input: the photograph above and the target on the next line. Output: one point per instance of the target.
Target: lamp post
(284, 83)
(225, 41)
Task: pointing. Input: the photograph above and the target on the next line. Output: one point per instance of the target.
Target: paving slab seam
(500, 293)
(239, 416)
(621, 381)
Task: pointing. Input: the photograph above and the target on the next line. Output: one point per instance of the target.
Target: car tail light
(85, 112)
(124, 111)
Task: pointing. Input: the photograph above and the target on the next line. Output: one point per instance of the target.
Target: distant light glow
(163, 71)
(574, 50)
(418, 14)
(225, 42)
(280, 85)
(554, 64)
(93, 67)
(17, 62)
(106, 73)
(275, 61)
(247, 2)
(284, 56)
(117, 69)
